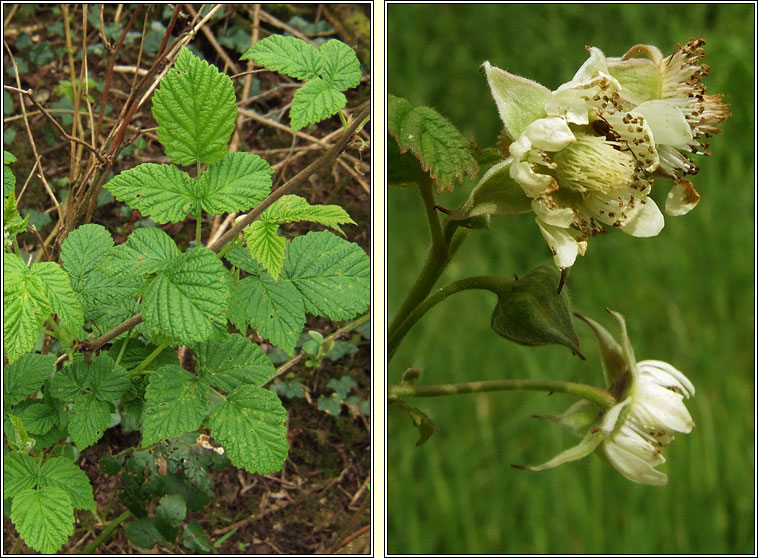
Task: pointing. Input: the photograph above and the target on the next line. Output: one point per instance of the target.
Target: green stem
(123, 348)
(489, 283)
(599, 397)
(199, 224)
(150, 358)
(107, 532)
(225, 249)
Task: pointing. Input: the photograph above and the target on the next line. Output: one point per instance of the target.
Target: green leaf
(142, 532)
(63, 301)
(145, 251)
(170, 513)
(332, 274)
(88, 420)
(288, 209)
(136, 351)
(238, 183)
(44, 518)
(240, 258)
(274, 308)
(342, 386)
(39, 418)
(63, 473)
(175, 402)
(197, 540)
(101, 378)
(187, 300)
(266, 246)
(196, 111)
(438, 145)
(232, 362)
(250, 424)
(339, 65)
(26, 307)
(13, 223)
(9, 179)
(288, 55)
(83, 251)
(313, 102)
(162, 192)
(25, 376)
(20, 472)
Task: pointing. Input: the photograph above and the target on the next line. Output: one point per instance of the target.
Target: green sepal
(496, 193)
(426, 427)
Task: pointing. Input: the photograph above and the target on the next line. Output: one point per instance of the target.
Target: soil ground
(322, 497)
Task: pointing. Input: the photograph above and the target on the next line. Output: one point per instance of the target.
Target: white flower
(650, 410)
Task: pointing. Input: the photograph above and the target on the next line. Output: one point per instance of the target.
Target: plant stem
(198, 229)
(107, 532)
(598, 396)
(489, 283)
(150, 358)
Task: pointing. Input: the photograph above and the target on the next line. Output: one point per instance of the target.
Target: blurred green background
(687, 295)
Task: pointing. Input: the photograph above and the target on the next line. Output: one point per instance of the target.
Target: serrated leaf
(274, 308)
(332, 274)
(288, 209)
(232, 362)
(25, 309)
(88, 420)
(39, 418)
(83, 251)
(313, 102)
(438, 145)
(187, 300)
(175, 402)
(13, 223)
(63, 473)
(136, 351)
(288, 55)
(238, 183)
(196, 111)
(240, 257)
(101, 379)
(144, 252)
(25, 376)
(9, 179)
(339, 65)
(162, 192)
(266, 246)
(63, 301)
(44, 518)
(250, 424)
(20, 472)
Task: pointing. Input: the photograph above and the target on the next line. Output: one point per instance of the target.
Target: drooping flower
(649, 411)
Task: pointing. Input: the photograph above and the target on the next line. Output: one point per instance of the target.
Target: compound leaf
(26, 307)
(232, 362)
(266, 246)
(196, 111)
(44, 518)
(250, 424)
(288, 55)
(187, 300)
(314, 101)
(238, 183)
(25, 376)
(175, 402)
(339, 65)
(332, 274)
(162, 192)
(438, 145)
(63, 300)
(274, 308)
(63, 473)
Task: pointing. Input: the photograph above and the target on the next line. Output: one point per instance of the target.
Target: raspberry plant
(150, 297)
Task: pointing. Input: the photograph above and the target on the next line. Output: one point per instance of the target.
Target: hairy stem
(598, 396)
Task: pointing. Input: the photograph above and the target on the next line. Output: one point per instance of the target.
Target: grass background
(687, 295)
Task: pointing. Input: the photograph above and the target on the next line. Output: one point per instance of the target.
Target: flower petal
(647, 220)
(666, 121)
(667, 376)
(533, 184)
(562, 243)
(631, 466)
(682, 198)
(550, 134)
(548, 212)
(660, 408)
